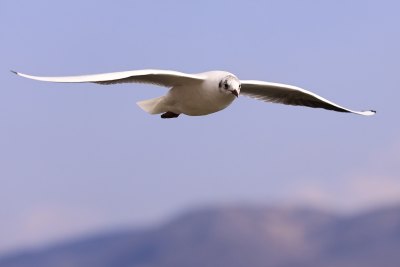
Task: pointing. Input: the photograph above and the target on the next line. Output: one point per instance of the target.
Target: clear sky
(81, 158)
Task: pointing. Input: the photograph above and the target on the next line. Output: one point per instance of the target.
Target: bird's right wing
(291, 95)
(165, 78)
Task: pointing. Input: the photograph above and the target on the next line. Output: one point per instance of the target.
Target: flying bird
(203, 93)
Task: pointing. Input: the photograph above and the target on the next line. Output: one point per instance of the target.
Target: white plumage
(203, 93)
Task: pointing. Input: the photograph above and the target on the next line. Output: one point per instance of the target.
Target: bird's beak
(235, 93)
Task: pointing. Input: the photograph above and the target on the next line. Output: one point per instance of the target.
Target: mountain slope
(238, 236)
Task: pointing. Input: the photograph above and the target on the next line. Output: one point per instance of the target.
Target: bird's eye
(226, 86)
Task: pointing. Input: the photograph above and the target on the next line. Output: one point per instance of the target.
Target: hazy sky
(81, 158)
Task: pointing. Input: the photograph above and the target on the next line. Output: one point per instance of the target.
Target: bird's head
(230, 85)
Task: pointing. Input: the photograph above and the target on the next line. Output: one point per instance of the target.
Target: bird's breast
(199, 100)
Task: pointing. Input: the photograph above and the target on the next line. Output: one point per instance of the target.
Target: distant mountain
(237, 237)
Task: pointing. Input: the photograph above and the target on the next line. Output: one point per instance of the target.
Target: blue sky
(83, 158)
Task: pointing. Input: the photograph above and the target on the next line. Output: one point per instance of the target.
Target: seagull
(203, 93)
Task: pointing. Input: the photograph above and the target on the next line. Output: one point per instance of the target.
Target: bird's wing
(291, 95)
(165, 78)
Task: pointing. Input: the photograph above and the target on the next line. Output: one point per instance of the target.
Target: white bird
(203, 93)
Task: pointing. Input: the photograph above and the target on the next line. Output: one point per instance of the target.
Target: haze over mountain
(237, 236)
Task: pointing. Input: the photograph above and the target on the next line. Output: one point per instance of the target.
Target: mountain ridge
(237, 236)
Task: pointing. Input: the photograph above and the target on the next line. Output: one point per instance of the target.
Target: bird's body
(203, 93)
(200, 98)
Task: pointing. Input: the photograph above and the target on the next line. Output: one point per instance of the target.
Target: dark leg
(169, 115)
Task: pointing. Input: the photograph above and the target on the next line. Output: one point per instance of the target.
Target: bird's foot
(169, 115)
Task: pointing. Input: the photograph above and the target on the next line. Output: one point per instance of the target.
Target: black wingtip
(13, 71)
(374, 111)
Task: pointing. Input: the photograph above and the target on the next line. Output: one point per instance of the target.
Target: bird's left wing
(291, 95)
(165, 78)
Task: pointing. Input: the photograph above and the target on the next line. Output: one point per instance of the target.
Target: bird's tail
(152, 106)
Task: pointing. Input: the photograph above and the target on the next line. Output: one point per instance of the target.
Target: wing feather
(165, 78)
(291, 95)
